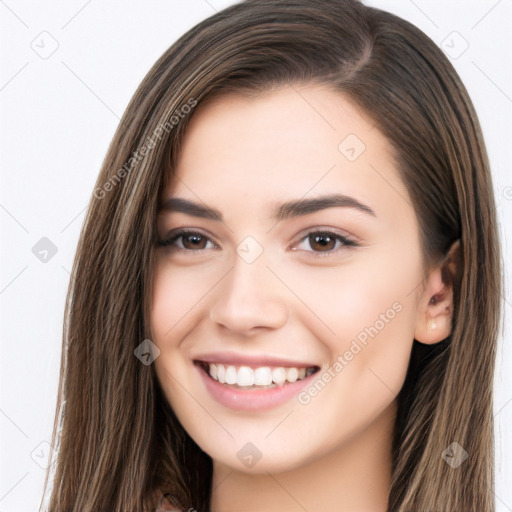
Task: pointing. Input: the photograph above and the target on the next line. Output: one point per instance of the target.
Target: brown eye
(322, 241)
(193, 241)
(187, 241)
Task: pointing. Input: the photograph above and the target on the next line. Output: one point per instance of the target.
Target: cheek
(369, 307)
(372, 314)
(367, 290)
(181, 295)
(178, 293)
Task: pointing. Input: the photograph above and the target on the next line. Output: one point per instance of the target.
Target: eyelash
(345, 241)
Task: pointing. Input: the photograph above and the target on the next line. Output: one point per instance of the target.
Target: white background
(58, 115)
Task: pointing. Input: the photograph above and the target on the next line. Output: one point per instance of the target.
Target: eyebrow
(283, 211)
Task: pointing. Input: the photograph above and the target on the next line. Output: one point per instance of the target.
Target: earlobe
(435, 309)
(434, 321)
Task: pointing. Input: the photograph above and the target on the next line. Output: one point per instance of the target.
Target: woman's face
(302, 255)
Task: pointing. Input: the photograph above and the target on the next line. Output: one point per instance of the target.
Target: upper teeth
(262, 376)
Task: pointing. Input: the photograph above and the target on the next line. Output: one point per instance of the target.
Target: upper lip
(256, 361)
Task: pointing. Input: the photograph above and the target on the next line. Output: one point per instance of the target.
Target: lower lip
(252, 399)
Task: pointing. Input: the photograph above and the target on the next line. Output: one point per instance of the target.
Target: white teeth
(244, 376)
(292, 374)
(230, 375)
(221, 373)
(279, 375)
(263, 376)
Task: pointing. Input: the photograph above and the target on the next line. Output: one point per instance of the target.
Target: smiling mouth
(261, 377)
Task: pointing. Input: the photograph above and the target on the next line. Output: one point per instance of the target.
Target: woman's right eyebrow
(178, 204)
(280, 212)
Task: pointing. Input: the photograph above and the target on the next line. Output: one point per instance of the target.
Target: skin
(243, 156)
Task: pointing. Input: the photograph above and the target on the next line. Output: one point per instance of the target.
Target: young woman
(286, 291)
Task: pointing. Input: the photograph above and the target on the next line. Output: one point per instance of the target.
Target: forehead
(285, 144)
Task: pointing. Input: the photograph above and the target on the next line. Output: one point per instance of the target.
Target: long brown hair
(119, 443)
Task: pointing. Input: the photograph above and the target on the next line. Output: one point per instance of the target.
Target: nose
(250, 298)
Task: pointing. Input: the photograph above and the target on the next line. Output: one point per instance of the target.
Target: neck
(354, 477)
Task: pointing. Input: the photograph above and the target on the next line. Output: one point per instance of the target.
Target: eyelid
(326, 229)
(347, 240)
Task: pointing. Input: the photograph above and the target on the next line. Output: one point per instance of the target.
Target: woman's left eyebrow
(280, 212)
(306, 206)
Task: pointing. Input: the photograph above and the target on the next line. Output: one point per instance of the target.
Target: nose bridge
(250, 295)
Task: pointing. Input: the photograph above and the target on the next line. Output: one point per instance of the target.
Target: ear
(435, 308)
